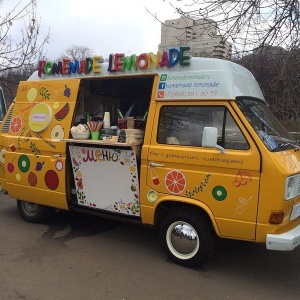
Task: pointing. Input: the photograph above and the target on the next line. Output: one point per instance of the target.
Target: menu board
(106, 179)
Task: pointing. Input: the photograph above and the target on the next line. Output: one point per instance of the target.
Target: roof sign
(117, 63)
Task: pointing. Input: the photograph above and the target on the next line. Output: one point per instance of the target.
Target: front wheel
(187, 238)
(34, 213)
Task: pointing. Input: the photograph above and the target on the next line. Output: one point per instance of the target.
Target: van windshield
(271, 132)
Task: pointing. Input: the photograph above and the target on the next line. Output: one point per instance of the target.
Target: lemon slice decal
(40, 117)
(152, 196)
(31, 94)
(219, 193)
(55, 105)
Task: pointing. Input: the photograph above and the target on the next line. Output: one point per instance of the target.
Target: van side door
(181, 170)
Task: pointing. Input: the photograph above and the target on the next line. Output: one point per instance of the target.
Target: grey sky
(113, 26)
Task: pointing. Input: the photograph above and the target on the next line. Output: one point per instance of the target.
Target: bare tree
(19, 48)
(249, 24)
(78, 52)
(277, 72)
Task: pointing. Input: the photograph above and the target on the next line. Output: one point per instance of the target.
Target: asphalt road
(82, 257)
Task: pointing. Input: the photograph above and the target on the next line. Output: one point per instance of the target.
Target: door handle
(152, 164)
(57, 155)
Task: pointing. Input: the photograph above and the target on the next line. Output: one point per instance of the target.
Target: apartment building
(200, 35)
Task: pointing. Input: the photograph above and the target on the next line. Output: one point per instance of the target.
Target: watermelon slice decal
(60, 115)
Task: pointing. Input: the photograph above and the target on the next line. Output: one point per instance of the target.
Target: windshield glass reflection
(271, 132)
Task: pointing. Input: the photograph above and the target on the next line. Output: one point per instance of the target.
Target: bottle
(88, 117)
(100, 114)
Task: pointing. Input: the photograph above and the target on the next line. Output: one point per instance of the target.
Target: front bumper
(286, 241)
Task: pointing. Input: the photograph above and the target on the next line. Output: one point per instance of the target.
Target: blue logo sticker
(162, 85)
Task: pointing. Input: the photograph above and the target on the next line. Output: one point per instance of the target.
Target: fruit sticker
(2, 156)
(10, 167)
(31, 94)
(51, 180)
(219, 193)
(242, 178)
(175, 182)
(59, 165)
(152, 196)
(32, 179)
(39, 166)
(15, 125)
(61, 114)
(23, 163)
(56, 105)
(40, 117)
(67, 92)
(57, 133)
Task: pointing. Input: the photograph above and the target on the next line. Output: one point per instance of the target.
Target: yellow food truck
(188, 145)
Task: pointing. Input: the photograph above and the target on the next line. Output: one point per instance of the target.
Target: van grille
(6, 125)
(295, 212)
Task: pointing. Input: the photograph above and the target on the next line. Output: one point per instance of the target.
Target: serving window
(130, 95)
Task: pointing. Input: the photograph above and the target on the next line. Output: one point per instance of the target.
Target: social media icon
(163, 77)
(162, 85)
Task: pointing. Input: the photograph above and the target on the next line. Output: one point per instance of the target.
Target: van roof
(202, 78)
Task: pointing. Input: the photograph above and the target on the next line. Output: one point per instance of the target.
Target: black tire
(187, 238)
(34, 213)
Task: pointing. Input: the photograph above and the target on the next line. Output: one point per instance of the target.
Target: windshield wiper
(285, 146)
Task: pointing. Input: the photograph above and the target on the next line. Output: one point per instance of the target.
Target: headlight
(292, 187)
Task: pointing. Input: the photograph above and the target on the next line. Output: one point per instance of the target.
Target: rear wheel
(187, 238)
(34, 213)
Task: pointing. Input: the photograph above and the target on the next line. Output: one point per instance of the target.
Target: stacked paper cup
(130, 122)
(106, 120)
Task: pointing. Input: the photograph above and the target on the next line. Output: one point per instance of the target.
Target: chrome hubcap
(30, 208)
(183, 240)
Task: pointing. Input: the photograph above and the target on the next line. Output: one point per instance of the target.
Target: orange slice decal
(16, 124)
(175, 182)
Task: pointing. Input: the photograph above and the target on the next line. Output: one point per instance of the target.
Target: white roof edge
(234, 80)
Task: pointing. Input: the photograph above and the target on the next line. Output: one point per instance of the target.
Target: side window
(2, 105)
(230, 135)
(184, 125)
(1, 113)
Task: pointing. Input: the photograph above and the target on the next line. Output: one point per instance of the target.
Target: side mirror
(210, 138)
